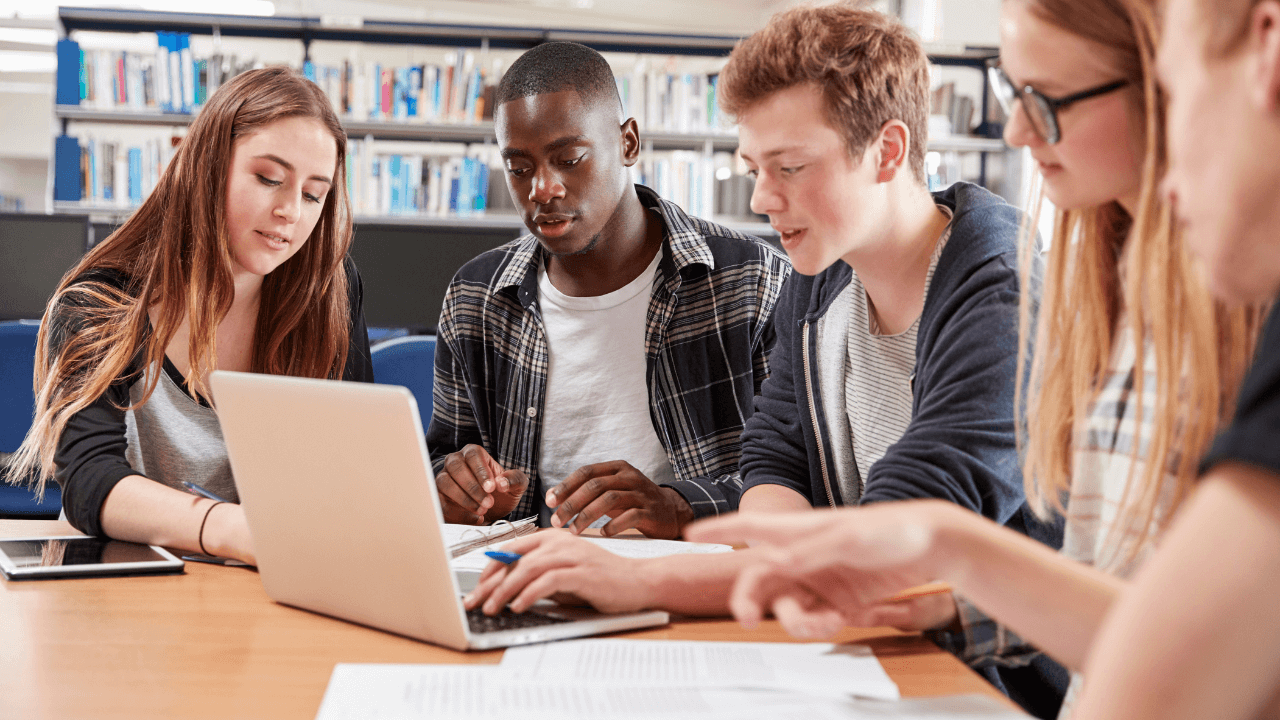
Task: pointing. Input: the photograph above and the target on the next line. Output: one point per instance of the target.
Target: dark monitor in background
(35, 252)
(407, 269)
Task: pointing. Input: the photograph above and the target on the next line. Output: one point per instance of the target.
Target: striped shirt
(1102, 466)
(879, 370)
(707, 337)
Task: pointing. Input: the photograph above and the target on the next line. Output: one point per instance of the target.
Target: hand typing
(566, 569)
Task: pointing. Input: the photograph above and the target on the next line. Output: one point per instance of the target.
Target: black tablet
(80, 556)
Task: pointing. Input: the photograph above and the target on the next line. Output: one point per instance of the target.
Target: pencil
(933, 588)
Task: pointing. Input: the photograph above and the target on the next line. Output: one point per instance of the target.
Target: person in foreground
(1197, 635)
(1123, 472)
(894, 373)
(236, 261)
(602, 366)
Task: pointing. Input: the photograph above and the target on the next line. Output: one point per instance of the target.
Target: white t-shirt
(597, 405)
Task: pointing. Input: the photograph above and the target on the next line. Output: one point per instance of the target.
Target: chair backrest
(17, 408)
(17, 366)
(408, 361)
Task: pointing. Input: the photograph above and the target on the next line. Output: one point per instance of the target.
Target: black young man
(602, 366)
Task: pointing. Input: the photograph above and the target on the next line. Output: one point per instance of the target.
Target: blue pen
(201, 491)
(505, 558)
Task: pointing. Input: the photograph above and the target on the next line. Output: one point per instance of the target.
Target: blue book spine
(400, 93)
(482, 187)
(436, 107)
(461, 201)
(309, 70)
(406, 186)
(415, 86)
(455, 186)
(473, 177)
(397, 199)
(67, 181)
(84, 79)
(95, 180)
(69, 72)
(135, 176)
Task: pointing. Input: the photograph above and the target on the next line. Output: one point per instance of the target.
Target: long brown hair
(1103, 262)
(173, 250)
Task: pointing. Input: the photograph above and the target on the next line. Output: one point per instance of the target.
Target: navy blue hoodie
(961, 443)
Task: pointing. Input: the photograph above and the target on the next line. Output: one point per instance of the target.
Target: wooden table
(210, 644)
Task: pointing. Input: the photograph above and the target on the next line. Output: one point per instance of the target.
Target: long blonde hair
(173, 251)
(1102, 262)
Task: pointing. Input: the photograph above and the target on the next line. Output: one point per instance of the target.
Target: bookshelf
(480, 132)
(699, 158)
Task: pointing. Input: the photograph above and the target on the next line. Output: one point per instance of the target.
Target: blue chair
(17, 407)
(408, 361)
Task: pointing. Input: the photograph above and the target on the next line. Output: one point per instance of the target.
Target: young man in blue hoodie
(895, 367)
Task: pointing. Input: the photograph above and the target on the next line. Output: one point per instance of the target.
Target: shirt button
(532, 412)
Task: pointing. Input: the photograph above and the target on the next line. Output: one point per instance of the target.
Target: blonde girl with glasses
(1133, 369)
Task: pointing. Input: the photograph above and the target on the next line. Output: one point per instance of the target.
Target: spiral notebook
(462, 539)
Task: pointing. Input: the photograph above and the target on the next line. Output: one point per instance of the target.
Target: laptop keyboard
(507, 620)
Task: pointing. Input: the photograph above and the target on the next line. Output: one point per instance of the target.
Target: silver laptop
(340, 498)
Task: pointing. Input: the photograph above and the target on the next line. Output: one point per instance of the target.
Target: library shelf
(392, 130)
(115, 214)
(479, 133)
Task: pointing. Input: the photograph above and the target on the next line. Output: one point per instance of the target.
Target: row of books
(450, 181)
(459, 90)
(9, 203)
(108, 172)
(668, 102)
(456, 180)
(398, 178)
(688, 179)
(170, 80)
(953, 110)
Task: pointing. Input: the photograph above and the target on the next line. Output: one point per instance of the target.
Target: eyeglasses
(1041, 109)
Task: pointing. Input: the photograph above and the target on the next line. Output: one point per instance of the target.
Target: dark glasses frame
(1041, 109)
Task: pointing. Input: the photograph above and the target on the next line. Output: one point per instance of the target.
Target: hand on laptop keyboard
(508, 620)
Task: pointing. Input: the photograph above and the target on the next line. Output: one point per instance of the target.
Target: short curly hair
(868, 66)
(556, 66)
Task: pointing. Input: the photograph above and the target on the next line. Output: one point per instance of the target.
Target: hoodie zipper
(813, 413)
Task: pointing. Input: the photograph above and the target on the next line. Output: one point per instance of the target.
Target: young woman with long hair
(238, 260)
(1134, 368)
(1197, 633)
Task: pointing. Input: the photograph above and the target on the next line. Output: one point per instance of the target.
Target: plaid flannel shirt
(1102, 465)
(708, 335)
(980, 641)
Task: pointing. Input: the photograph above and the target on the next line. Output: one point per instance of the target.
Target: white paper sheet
(813, 668)
(487, 692)
(632, 547)
(471, 692)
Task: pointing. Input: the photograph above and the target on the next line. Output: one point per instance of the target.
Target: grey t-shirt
(172, 438)
(873, 373)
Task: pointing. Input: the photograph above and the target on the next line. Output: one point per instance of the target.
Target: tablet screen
(61, 552)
